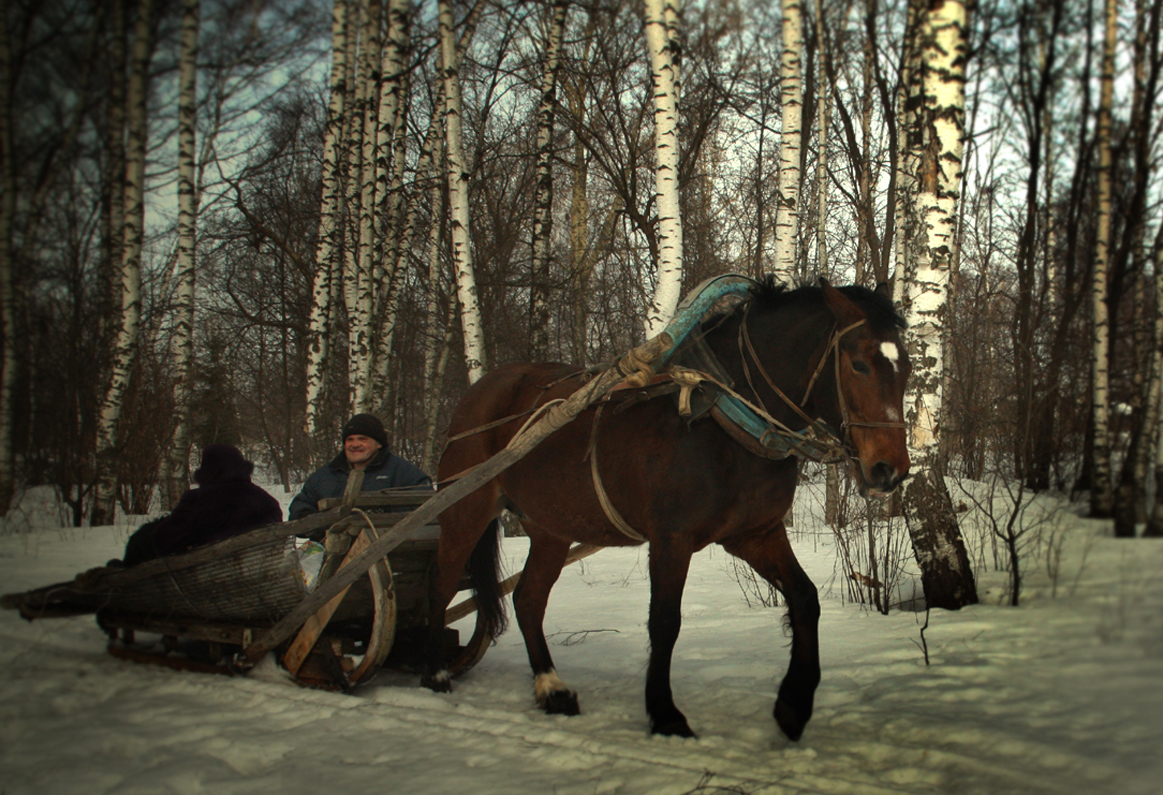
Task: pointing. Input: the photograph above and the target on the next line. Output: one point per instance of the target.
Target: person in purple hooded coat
(225, 504)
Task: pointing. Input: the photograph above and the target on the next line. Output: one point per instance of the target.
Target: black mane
(770, 293)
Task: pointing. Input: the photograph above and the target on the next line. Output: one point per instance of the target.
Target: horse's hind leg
(462, 526)
(546, 557)
(771, 556)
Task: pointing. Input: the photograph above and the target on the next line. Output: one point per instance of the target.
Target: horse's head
(870, 367)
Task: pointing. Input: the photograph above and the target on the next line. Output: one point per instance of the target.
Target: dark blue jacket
(386, 471)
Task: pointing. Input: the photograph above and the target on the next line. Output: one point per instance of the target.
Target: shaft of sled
(635, 363)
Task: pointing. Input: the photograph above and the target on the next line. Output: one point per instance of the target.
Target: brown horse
(678, 482)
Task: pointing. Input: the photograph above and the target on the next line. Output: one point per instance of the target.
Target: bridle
(844, 439)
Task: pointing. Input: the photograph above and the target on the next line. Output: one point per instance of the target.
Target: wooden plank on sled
(209, 631)
(635, 364)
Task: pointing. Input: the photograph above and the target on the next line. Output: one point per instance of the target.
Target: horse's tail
(484, 572)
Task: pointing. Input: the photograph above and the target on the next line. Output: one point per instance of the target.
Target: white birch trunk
(391, 231)
(177, 477)
(662, 44)
(105, 490)
(356, 106)
(466, 289)
(543, 204)
(401, 215)
(940, 551)
(328, 242)
(360, 347)
(790, 140)
(1101, 482)
(109, 283)
(7, 282)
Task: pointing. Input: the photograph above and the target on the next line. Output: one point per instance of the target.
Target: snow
(1059, 695)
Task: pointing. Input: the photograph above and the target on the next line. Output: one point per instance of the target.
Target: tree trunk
(360, 347)
(662, 43)
(466, 289)
(1101, 488)
(937, 543)
(1154, 527)
(177, 476)
(395, 221)
(105, 490)
(7, 276)
(543, 205)
(790, 140)
(908, 142)
(330, 231)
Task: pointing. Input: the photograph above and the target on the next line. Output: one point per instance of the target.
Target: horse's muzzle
(884, 478)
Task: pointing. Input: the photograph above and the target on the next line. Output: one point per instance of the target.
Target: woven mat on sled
(259, 584)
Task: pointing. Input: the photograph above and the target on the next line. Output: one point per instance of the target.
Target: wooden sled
(199, 610)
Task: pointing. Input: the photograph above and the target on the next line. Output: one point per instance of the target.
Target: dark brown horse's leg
(771, 556)
(542, 568)
(669, 563)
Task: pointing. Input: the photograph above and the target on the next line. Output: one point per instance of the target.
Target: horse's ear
(842, 307)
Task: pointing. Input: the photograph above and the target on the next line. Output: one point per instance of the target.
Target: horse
(634, 470)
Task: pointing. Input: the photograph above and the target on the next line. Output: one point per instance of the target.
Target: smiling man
(365, 446)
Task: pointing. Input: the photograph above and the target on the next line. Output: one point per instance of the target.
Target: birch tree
(362, 288)
(330, 231)
(945, 572)
(662, 42)
(543, 207)
(472, 326)
(394, 222)
(790, 139)
(182, 343)
(1101, 482)
(133, 234)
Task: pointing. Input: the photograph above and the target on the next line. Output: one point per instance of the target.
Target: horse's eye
(861, 368)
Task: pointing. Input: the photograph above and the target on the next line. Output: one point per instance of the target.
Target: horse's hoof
(673, 728)
(437, 683)
(791, 723)
(562, 702)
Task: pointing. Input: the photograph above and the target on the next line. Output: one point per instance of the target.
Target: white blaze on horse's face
(892, 352)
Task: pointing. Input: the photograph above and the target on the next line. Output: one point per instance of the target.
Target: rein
(833, 347)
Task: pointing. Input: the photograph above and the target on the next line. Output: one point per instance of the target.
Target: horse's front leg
(771, 556)
(669, 563)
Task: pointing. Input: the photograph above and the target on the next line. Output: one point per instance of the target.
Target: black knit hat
(366, 425)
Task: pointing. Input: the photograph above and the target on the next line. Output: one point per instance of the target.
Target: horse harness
(706, 388)
(751, 425)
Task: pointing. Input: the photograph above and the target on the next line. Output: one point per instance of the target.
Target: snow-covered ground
(1063, 694)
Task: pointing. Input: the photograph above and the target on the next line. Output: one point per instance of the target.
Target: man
(225, 504)
(365, 446)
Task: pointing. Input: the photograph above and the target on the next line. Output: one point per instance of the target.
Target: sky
(1059, 695)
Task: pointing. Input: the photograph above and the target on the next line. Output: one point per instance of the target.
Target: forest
(241, 221)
